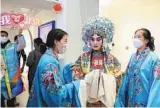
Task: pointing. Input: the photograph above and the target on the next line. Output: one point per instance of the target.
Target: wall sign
(19, 20)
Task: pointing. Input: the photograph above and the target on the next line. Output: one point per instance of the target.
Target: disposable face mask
(63, 50)
(3, 39)
(137, 43)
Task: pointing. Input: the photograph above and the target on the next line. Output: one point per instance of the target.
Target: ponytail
(150, 44)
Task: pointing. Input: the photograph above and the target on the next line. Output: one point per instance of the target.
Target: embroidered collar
(146, 51)
(50, 52)
(97, 53)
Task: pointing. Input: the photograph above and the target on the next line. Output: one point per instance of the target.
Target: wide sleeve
(77, 69)
(117, 71)
(67, 74)
(122, 91)
(53, 92)
(114, 67)
(122, 97)
(154, 95)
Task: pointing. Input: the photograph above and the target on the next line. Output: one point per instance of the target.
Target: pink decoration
(19, 20)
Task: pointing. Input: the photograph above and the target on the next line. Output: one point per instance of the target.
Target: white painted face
(96, 42)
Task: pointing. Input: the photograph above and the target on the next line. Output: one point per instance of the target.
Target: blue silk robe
(141, 83)
(48, 89)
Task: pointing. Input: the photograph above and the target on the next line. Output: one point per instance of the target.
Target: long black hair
(54, 34)
(147, 36)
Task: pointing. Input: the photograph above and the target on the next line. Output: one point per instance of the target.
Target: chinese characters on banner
(18, 20)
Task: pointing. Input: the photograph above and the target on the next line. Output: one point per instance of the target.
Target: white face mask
(3, 39)
(63, 50)
(137, 43)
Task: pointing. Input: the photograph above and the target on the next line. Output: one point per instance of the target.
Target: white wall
(45, 16)
(74, 30)
(77, 11)
(128, 16)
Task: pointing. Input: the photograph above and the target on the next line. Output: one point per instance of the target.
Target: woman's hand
(77, 70)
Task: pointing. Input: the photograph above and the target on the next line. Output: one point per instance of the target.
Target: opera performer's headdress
(101, 26)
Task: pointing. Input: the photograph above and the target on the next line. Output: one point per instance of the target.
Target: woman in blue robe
(47, 89)
(141, 83)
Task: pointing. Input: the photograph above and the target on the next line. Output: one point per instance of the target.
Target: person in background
(20, 54)
(11, 83)
(141, 81)
(43, 47)
(33, 59)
